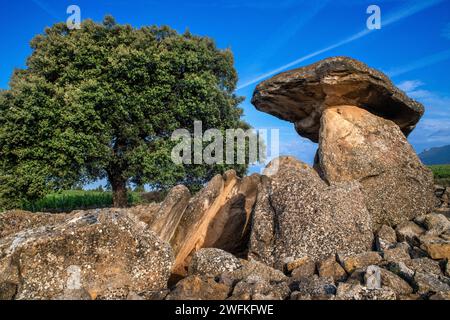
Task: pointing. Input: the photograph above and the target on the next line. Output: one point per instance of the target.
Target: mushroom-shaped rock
(301, 95)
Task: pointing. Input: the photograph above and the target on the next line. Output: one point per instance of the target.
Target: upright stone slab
(357, 145)
(297, 214)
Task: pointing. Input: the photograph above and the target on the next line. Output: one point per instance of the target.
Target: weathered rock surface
(436, 247)
(436, 224)
(302, 267)
(386, 238)
(301, 95)
(428, 283)
(362, 260)
(199, 288)
(253, 269)
(409, 232)
(331, 268)
(353, 291)
(315, 286)
(166, 219)
(17, 220)
(357, 145)
(394, 282)
(218, 216)
(256, 288)
(400, 253)
(297, 214)
(106, 252)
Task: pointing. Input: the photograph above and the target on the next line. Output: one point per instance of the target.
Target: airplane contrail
(421, 63)
(45, 8)
(397, 16)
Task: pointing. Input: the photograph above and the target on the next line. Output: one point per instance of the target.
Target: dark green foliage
(102, 102)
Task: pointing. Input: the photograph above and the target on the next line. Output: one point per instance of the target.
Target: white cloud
(410, 85)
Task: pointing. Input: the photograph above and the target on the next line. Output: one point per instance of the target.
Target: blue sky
(413, 45)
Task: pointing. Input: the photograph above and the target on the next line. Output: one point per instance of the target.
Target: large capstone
(301, 95)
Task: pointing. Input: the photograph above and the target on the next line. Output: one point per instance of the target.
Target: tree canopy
(102, 101)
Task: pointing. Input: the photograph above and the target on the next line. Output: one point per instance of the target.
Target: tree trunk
(119, 189)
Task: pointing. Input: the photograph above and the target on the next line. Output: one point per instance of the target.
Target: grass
(76, 199)
(441, 174)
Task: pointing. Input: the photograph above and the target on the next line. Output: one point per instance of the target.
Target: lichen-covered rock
(402, 270)
(385, 238)
(436, 224)
(372, 278)
(199, 288)
(428, 283)
(437, 248)
(256, 288)
(104, 252)
(362, 260)
(354, 291)
(303, 267)
(212, 262)
(410, 232)
(314, 286)
(394, 282)
(15, 221)
(165, 221)
(399, 253)
(424, 265)
(331, 268)
(253, 269)
(357, 145)
(301, 95)
(297, 214)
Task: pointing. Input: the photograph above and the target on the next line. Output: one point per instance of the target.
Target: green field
(76, 199)
(79, 199)
(441, 174)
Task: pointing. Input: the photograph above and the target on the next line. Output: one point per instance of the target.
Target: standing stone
(297, 214)
(218, 216)
(357, 145)
(166, 219)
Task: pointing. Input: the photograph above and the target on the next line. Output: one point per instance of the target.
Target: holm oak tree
(102, 101)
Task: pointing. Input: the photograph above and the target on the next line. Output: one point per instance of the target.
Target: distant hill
(440, 155)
